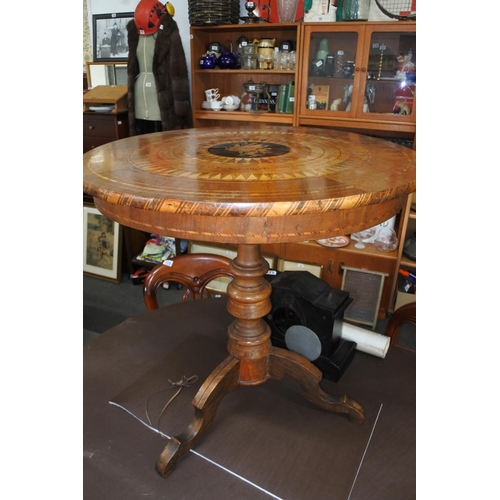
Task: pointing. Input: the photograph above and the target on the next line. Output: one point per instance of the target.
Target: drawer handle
(91, 127)
(330, 266)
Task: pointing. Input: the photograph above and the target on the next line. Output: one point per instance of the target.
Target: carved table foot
(283, 362)
(222, 380)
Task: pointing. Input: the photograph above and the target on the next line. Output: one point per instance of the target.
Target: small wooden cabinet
(101, 128)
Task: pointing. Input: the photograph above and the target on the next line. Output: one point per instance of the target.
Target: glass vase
(355, 10)
(287, 10)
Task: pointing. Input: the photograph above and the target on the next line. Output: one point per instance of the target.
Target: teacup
(231, 100)
(216, 105)
(212, 94)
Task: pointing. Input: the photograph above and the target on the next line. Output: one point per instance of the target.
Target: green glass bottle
(339, 11)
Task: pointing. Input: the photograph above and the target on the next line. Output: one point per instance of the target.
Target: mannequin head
(148, 15)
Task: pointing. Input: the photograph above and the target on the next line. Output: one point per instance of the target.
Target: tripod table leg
(283, 362)
(222, 380)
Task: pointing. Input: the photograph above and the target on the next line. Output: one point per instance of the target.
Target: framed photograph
(101, 245)
(110, 39)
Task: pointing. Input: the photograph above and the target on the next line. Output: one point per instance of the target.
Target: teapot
(227, 59)
(208, 61)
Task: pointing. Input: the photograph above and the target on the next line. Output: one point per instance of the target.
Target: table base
(252, 359)
(225, 378)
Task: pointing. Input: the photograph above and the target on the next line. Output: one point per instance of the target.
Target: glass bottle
(323, 50)
(355, 10)
(339, 63)
(338, 14)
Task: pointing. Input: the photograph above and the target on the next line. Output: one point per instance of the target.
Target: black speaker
(306, 317)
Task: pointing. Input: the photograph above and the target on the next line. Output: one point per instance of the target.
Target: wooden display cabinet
(365, 101)
(374, 47)
(230, 81)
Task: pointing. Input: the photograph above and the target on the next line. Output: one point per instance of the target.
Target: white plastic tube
(367, 341)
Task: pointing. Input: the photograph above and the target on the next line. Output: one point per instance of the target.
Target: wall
(91, 7)
(115, 6)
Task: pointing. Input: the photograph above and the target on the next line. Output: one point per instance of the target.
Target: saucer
(231, 107)
(335, 242)
(205, 105)
(215, 105)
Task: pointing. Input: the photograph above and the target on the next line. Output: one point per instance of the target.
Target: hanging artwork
(110, 40)
(101, 245)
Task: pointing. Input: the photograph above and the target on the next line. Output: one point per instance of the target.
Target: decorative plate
(335, 242)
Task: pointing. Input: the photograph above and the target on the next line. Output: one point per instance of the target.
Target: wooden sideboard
(101, 128)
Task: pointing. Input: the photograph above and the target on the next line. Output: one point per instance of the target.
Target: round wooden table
(249, 186)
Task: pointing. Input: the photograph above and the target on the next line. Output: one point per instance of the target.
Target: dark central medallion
(248, 149)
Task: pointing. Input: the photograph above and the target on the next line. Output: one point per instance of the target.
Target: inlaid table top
(261, 184)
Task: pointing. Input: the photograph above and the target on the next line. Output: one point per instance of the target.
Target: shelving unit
(230, 81)
(407, 227)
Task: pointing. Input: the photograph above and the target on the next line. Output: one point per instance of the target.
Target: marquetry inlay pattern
(265, 171)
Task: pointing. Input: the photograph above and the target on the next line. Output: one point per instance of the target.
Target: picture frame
(102, 244)
(110, 37)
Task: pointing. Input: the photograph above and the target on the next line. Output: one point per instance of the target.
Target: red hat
(148, 15)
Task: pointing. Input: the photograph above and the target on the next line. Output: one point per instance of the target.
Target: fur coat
(170, 73)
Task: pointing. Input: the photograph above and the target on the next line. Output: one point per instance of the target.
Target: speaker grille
(365, 288)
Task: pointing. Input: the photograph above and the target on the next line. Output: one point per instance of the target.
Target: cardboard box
(289, 265)
(322, 11)
(322, 94)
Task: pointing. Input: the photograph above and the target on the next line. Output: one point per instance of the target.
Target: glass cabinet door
(391, 76)
(333, 56)
(359, 75)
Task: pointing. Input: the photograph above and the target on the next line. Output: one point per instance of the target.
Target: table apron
(252, 230)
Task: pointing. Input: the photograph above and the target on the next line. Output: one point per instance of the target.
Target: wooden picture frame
(110, 37)
(102, 244)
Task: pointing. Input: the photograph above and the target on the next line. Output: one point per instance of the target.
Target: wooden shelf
(405, 262)
(248, 72)
(243, 116)
(369, 250)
